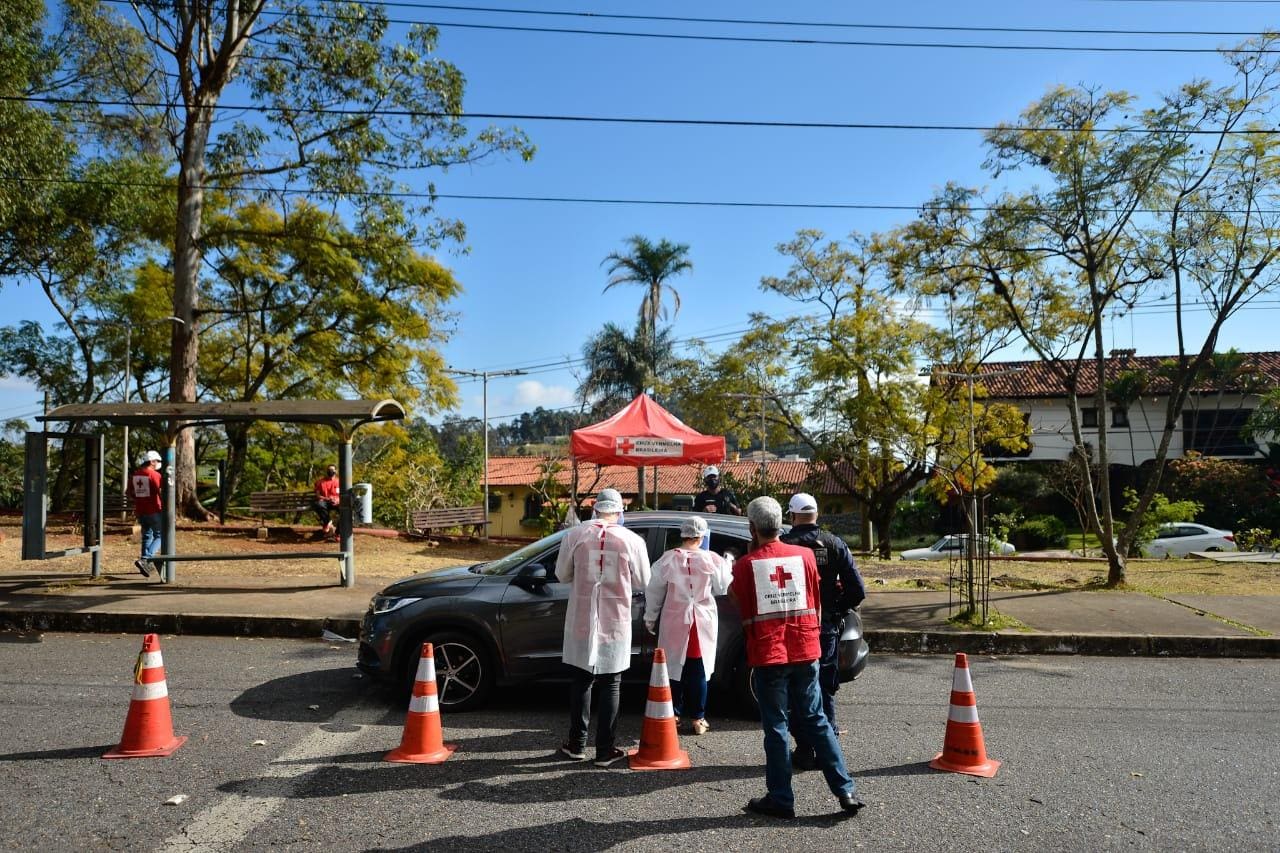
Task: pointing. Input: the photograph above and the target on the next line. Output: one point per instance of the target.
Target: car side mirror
(533, 577)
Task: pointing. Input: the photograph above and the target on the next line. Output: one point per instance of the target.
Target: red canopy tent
(643, 433)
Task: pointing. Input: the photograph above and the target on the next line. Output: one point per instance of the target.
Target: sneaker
(610, 757)
(571, 752)
(141, 565)
(700, 727)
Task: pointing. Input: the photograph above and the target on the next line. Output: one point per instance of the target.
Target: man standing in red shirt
(327, 498)
(145, 484)
(776, 589)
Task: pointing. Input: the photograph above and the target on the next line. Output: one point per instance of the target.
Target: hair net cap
(608, 501)
(693, 527)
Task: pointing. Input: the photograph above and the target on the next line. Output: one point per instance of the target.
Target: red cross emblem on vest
(780, 576)
(625, 446)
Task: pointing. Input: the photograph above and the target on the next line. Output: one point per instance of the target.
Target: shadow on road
(59, 754)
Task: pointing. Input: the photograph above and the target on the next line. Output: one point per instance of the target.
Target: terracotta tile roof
(675, 479)
(1037, 379)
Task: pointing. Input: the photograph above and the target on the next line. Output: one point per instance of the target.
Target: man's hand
(651, 625)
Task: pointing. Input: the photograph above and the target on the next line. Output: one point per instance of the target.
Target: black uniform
(723, 499)
(840, 590)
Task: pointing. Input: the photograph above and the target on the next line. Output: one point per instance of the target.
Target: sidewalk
(1060, 622)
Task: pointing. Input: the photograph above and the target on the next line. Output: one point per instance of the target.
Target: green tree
(650, 265)
(338, 109)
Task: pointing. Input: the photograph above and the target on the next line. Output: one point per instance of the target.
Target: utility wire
(638, 120)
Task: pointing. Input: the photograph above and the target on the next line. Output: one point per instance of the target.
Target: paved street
(1099, 754)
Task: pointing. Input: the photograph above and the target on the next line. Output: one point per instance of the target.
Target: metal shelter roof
(340, 414)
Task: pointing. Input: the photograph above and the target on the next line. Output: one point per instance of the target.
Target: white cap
(152, 456)
(802, 502)
(693, 527)
(710, 471)
(608, 502)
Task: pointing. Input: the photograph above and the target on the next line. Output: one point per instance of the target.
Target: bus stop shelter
(343, 416)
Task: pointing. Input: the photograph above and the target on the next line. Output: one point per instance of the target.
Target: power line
(641, 120)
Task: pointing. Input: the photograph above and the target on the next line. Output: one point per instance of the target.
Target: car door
(531, 617)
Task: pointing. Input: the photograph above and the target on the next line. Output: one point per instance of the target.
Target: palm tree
(619, 368)
(649, 266)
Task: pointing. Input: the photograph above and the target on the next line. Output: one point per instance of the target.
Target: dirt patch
(376, 556)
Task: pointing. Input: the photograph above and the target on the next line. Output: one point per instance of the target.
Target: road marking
(226, 823)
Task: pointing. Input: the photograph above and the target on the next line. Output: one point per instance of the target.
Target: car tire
(464, 669)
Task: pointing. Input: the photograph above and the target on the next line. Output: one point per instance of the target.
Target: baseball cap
(608, 501)
(802, 502)
(152, 456)
(711, 471)
(693, 527)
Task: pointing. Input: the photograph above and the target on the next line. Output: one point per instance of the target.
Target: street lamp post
(128, 352)
(763, 396)
(484, 375)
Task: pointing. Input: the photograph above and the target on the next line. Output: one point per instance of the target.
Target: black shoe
(141, 565)
(608, 758)
(850, 803)
(571, 752)
(801, 761)
(767, 807)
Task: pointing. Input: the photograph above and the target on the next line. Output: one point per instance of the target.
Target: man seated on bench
(327, 499)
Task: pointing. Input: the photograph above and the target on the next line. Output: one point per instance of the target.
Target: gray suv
(502, 622)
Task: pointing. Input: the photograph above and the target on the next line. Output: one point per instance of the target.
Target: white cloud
(531, 393)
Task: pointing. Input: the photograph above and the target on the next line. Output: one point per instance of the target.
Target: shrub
(1042, 531)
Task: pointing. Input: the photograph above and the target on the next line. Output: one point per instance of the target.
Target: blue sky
(532, 273)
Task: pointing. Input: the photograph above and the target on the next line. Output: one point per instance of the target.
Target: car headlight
(389, 604)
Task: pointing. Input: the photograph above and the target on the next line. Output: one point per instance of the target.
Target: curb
(306, 628)
(1107, 645)
(891, 641)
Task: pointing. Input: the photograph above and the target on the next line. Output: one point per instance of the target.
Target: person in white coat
(680, 600)
(603, 562)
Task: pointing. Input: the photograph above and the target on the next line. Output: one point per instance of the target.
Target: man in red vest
(145, 484)
(776, 589)
(327, 498)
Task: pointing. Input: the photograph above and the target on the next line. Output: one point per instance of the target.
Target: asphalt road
(1099, 754)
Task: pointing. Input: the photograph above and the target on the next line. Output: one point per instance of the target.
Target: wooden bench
(114, 504)
(263, 504)
(424, 521)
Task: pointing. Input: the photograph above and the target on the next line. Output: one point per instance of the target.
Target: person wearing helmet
(715, 498)
(682, 590)
(145, 484)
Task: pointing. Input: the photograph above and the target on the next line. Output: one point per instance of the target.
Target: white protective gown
(684, 585)
(603, 562)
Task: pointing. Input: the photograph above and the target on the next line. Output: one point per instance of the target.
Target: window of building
(1119, 417)
(1216, 432)
(1089, 417)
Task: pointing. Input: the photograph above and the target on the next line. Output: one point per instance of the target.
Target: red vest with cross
(776, 587)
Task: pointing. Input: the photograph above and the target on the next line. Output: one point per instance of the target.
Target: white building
(1209, 422)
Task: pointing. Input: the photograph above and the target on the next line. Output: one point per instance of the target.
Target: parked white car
(1181, 538)
(955, 545)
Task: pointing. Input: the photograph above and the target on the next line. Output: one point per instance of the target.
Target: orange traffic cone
(148, 727)
(962, 749)
(423, 740)
(659, 744)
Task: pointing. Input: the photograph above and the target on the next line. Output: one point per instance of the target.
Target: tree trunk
(881, 518)
(187, 257)
(237, 451)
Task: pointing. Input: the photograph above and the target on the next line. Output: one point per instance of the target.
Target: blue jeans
(151, 531)
(828, 682)
(793, 689)
(691, 689)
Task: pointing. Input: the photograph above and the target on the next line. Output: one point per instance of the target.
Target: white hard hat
(711, 471)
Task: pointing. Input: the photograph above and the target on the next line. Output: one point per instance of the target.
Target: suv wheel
(464, 670)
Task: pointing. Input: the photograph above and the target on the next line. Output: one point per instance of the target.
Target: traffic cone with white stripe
(423, 740)
(148, 727)
(962, 749)
(659, 743)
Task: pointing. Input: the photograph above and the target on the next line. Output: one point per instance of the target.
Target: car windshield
(502, 565)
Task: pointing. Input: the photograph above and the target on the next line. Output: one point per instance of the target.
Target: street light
(128, 352)
(484, 375)
(763, 396)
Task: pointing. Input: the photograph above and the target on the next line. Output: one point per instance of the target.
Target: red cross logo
(625, 446)
(780, 576)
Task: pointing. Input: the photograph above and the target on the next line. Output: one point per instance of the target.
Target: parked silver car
(1181, 538)
(502, 622)
(953, 546)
